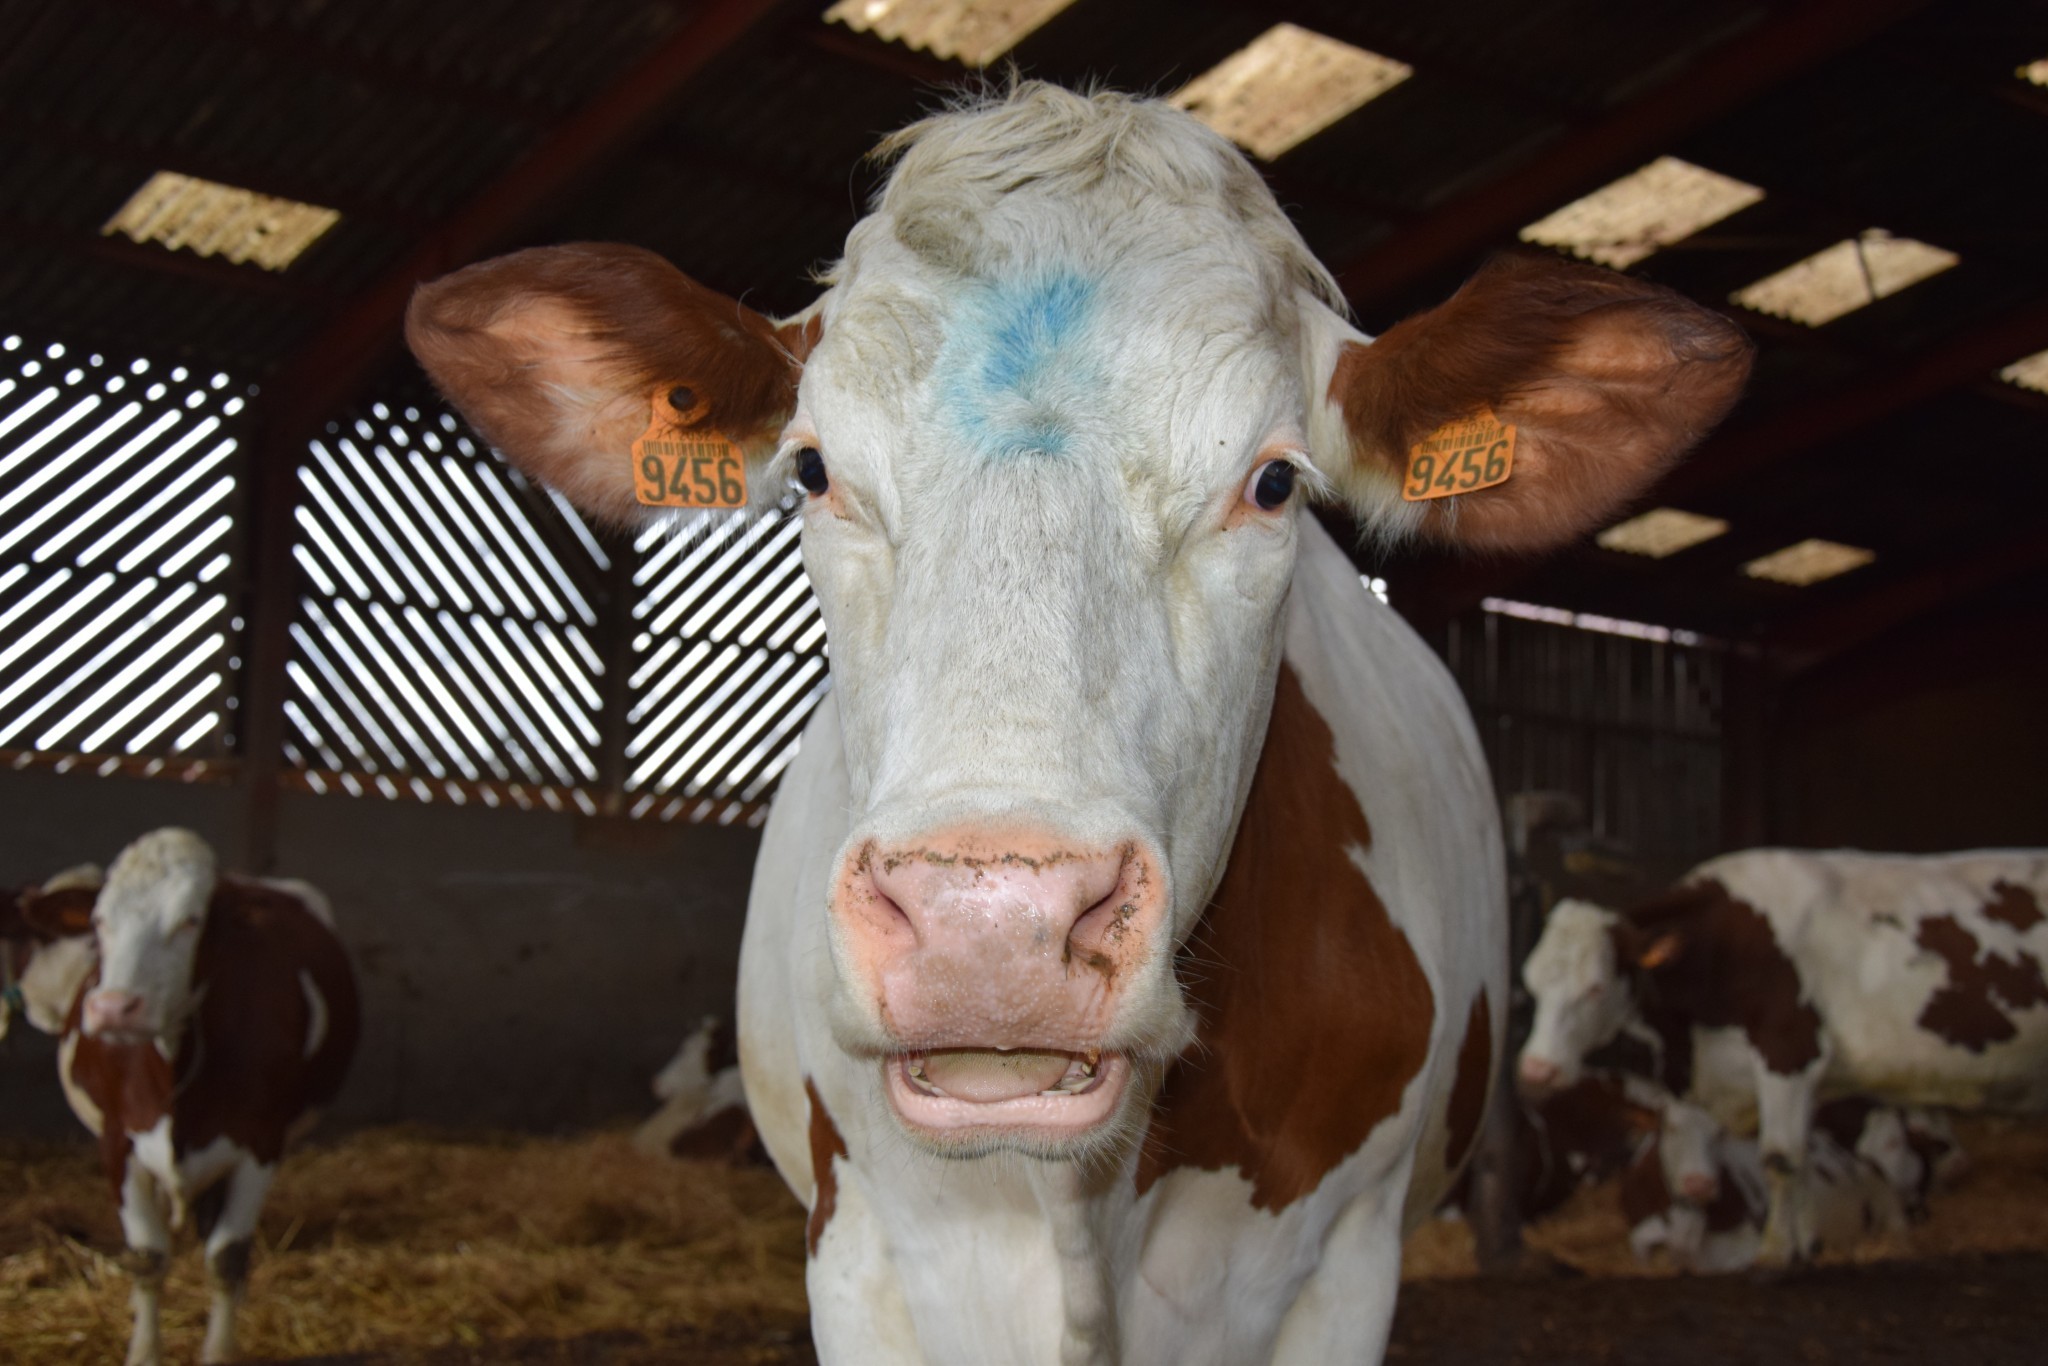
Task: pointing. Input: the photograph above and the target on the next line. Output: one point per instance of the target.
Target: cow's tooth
(1089, 1058)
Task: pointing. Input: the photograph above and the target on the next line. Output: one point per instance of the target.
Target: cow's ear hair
(1660, 950)
(555, 356)
(58, 914)
(1607, 381)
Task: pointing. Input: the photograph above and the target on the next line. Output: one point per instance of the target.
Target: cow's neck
(1005, 1259)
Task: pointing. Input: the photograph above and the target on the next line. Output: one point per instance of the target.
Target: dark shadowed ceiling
(729, 136)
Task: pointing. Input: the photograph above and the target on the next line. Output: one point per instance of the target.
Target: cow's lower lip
(962, 1093)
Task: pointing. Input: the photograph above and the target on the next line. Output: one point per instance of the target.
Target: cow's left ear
(563, 356)
(1605, 380)
(58, 914)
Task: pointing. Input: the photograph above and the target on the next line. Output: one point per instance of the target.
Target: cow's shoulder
(1710, 956)
(1314, 1011)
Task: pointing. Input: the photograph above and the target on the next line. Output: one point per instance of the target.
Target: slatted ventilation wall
(1631, 726)
(119, 551)
(445, 646)
(728, 659)
(450, 642)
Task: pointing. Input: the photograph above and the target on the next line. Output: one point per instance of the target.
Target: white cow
(1124, 964)
(1772, 977)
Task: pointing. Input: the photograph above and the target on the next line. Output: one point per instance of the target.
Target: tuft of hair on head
(162, 853)
(1042, 139)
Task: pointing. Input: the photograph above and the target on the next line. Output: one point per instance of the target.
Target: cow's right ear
(58, 914)
(555, 356)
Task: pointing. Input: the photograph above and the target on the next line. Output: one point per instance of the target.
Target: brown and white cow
(1125, 959)
(203, 1017)
(1772, 977)
(703, 1112)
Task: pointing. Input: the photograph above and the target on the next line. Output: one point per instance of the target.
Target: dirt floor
(400, 1248)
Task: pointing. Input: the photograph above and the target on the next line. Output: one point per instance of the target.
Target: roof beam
(324, 372)
(293, 51)
(1883, 393)
(1828, 633)
(218, 273)
(1774, 50)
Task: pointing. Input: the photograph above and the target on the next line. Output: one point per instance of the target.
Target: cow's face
(1052, 425)
(1052, 550)
(148, 921)
(1689, 1146)
(1582, 996)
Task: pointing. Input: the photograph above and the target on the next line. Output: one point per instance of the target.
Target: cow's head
(1689, 1146)
(46, 947)
(1581, 988)
(1054, 422)
(148, 921)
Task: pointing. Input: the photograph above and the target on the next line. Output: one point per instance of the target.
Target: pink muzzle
(997, 967)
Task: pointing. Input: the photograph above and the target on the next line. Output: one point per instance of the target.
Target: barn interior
(258, 580)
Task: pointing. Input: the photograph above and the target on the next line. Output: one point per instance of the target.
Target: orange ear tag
(675, 466)
(1472, 453)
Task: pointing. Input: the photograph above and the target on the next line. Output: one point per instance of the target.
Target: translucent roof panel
(1845, 277)
(2031, 373)
(203, 216)
(1660, 532)
(1666, 201)
(1810, 561)
(1286, 86)
(975, 32)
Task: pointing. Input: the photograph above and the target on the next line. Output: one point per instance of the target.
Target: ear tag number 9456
(1472, 453)
(676, 465)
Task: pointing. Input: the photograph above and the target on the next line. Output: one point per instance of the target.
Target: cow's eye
(1271, 484)
(810, 471)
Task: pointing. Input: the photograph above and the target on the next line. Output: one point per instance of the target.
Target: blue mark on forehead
(1014, 362)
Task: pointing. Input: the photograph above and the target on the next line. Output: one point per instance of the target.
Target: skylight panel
(1286, 86)
(203, 216)
(2031, 373)
(2037, 72)
(975, 32)
(1661, 532)
(1808, 562)
(1845, 277)
(1666, 201)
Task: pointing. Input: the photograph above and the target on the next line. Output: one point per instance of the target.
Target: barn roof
(729, 135)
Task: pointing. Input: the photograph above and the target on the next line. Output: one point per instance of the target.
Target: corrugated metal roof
(400, 113)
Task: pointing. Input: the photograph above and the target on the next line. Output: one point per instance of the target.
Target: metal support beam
(327, 370)
(1827, 634)
(1774, 50)
(1884, 393)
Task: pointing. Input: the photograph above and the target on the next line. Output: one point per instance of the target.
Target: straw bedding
(434, 1249)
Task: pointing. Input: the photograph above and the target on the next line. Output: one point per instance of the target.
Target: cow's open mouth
(989, 1092)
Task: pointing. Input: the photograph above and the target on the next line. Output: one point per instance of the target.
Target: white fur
(148, 919)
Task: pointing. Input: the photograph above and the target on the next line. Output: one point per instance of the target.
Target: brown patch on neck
(2013, 905)
(826, 1144)
(1970, 1012)
(1727, 971)
(1473, 1083)
(1314, 1011)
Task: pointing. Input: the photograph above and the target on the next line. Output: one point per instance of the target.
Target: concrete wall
(521, 970)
